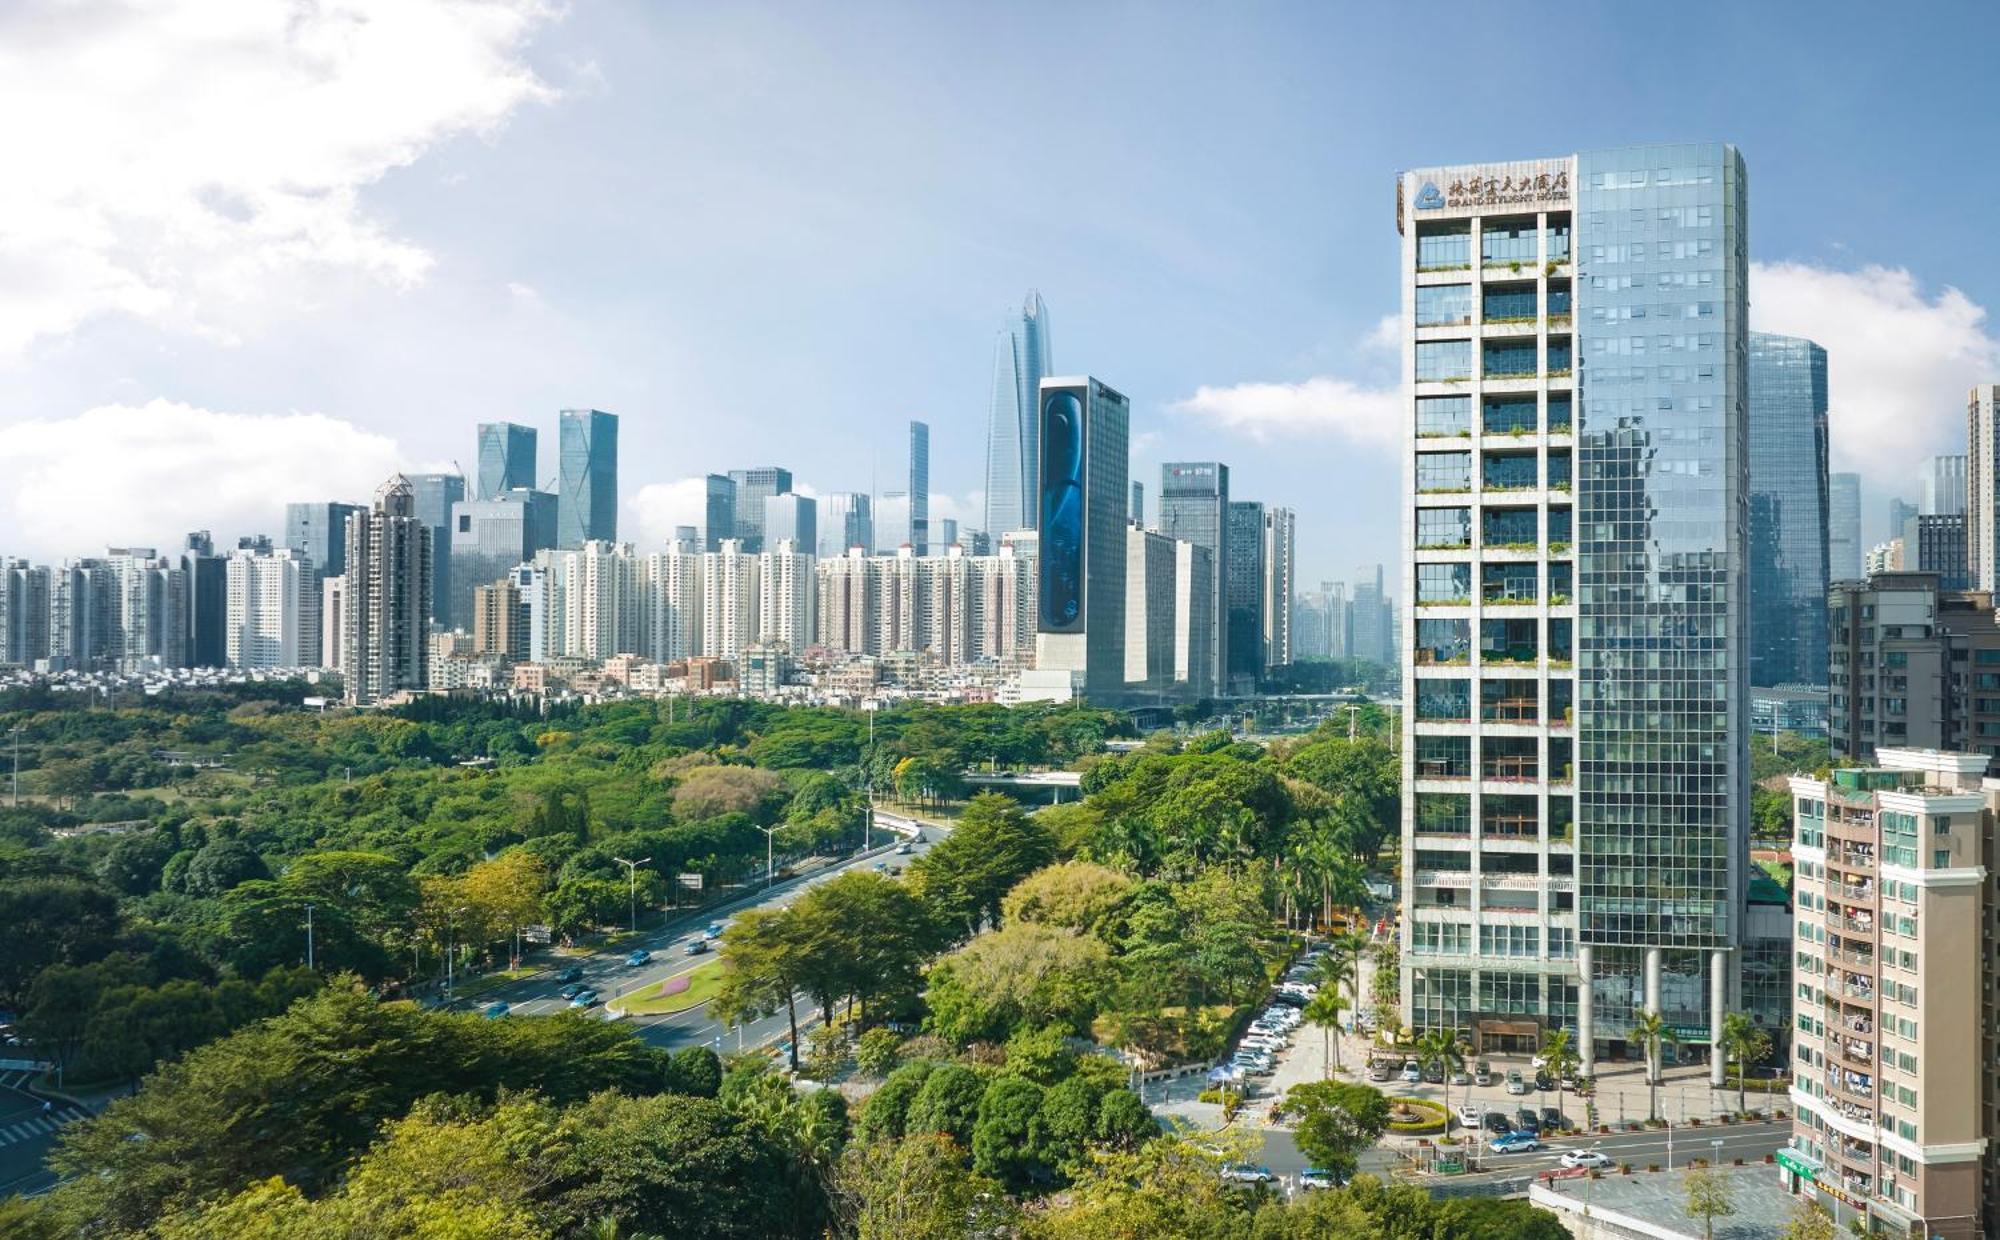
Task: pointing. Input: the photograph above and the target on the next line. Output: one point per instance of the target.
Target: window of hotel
(1443, 584)
(1444, 757)
(1559, 476)
(1507, 641)
(1508, 415)
(1441, 938)
(1511, 529)
(1506, 359)
(1510, 992)
(1559, 584)
(1558, 241)
(1508, 471)
(1444, 641)
(1559, 301)
(1444, 246)
(1506, 303)
(1508, 583)
(1559, 413)
(1440, 813)
(1443, 417)
(1444, 472)
(1560, 647)
(1444, 305)
(1443, 528)
(1559, 356)
(1442, 361)
(1448, 701)
(1508, 242)
(1558, 529)
(1510, 940)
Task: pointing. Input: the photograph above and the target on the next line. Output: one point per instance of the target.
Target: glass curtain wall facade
(920, 487)
(1243, 597)
(1576, 681)
(587, 495)
(1843, 527)
(1013, 441)
(1194, 507)
(1788, 511)
(1663, 688)
(506, 459)
(753, 487)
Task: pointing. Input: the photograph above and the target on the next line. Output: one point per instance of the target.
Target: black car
(1434, 1075)
(1525, 1121)
(1544, 1082)
(1289, 999)
(571, 974)
(1496, 1123)
(1553, 1120)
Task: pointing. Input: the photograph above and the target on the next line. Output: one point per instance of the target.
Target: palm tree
(1745, 1043)
(1441, 1048)
(1324, 1011)
(1351, 947)
(1332, 972)
(1558, 1053)
(1650, 1030)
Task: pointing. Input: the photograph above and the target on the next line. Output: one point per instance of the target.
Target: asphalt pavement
(27, 1133)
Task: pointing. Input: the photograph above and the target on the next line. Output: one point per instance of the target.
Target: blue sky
(772, 234)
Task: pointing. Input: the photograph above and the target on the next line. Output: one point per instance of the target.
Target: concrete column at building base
(1718, 993)
(1653, 980)
(1586, 1038)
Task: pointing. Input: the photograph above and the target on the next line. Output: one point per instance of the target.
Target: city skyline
(1230, 347)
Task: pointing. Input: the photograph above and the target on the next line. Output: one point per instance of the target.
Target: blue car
(1516, 1143)
(639, 957)
(714, 930)
(493, 1011)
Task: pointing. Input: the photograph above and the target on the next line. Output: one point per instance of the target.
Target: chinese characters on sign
(1543, 188)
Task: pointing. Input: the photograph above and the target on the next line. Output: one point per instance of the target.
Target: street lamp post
(451, 945)
(632, 886)
(309, 938)
(770, 873)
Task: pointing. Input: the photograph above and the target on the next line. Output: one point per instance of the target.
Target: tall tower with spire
(1020, 363)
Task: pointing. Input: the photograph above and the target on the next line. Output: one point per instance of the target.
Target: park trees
(966, 875)
(1337, 1120)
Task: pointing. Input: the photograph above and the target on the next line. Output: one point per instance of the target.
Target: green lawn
(649, 1000)
(474, 987)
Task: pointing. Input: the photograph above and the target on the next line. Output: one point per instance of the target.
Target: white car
(1594, 1160)
(1468, 1116)
(1246, 1173)
(1412, 1074)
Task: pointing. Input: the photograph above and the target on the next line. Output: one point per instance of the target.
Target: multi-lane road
(27, 1133)
(607, 973)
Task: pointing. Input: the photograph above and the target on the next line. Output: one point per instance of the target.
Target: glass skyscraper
(1575, 546)
(434, 495)
(587, 478)
(1020, 363)
(920, 487)
(1194, 507)
(753, 487)
(506, 458)
(1243, 597)
(1788, 517)
(718, 514)
(1843, 527)
(320, 530)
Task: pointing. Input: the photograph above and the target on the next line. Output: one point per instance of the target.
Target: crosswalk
(40, 1125)
(15, 1079)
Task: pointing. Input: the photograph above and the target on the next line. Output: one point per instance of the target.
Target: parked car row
(1269, 1033)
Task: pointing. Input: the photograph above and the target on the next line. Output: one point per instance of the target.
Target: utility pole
(309, 937)
(632, 886)
(17, 766)
(451, 944)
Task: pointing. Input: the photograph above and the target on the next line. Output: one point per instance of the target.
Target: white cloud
(1323, 407)
(192, 162)
(1898, 361)
(656, 508)
(122, 474)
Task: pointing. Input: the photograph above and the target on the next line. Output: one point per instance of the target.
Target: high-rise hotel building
(1575, 358)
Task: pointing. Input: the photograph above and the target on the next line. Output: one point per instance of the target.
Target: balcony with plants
(1509, 816)
(1508, 641)
(1503, 530)
(1509, 309)
(1508, 470)
(1444, 245)
(1444, 701)
(1509, 244)
(1444, 757)
(1444, 814)
(1560, 420)
(1502, 360)
(1443, 305)
(1559, 314)
(1444, 473)
(1444, 529)
(1509, 759)
(1444, 417)
(1444, 585)
(1509, 701)
(1560, 357)
(1443, 643)
(1514, 417)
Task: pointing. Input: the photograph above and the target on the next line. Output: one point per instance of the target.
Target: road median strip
(672, 995)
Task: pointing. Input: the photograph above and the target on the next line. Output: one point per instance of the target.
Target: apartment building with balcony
(1891, 1104)
(1911, 665)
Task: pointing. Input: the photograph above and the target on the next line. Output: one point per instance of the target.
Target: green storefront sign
(1796, 1163)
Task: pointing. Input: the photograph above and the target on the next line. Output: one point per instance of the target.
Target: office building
(1788, 517)
(793, 519)
(1982, 490)
(499, 621)
(1136, 511)
(1080, 519)
(920, 487)
(1941, 486)
(847, 520)
(1935, 543)
(1194, 507)
(718, 511)
(1280, 549)
(1892, 1092)
(436, 495)
(1911, 666)
(587, 478)
(944, 535)
(490, 536)
(385, 604)
(272, 609)
(208, 602)
(1319, 622)
(506, 459)
(753, 487)
(1843, 527)
(1575, 850)
(1150, 609)
(320, 530)
(1194, 619)
(1020, 363)
(1243, 598)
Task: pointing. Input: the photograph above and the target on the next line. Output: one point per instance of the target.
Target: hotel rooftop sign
(1528, 185)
